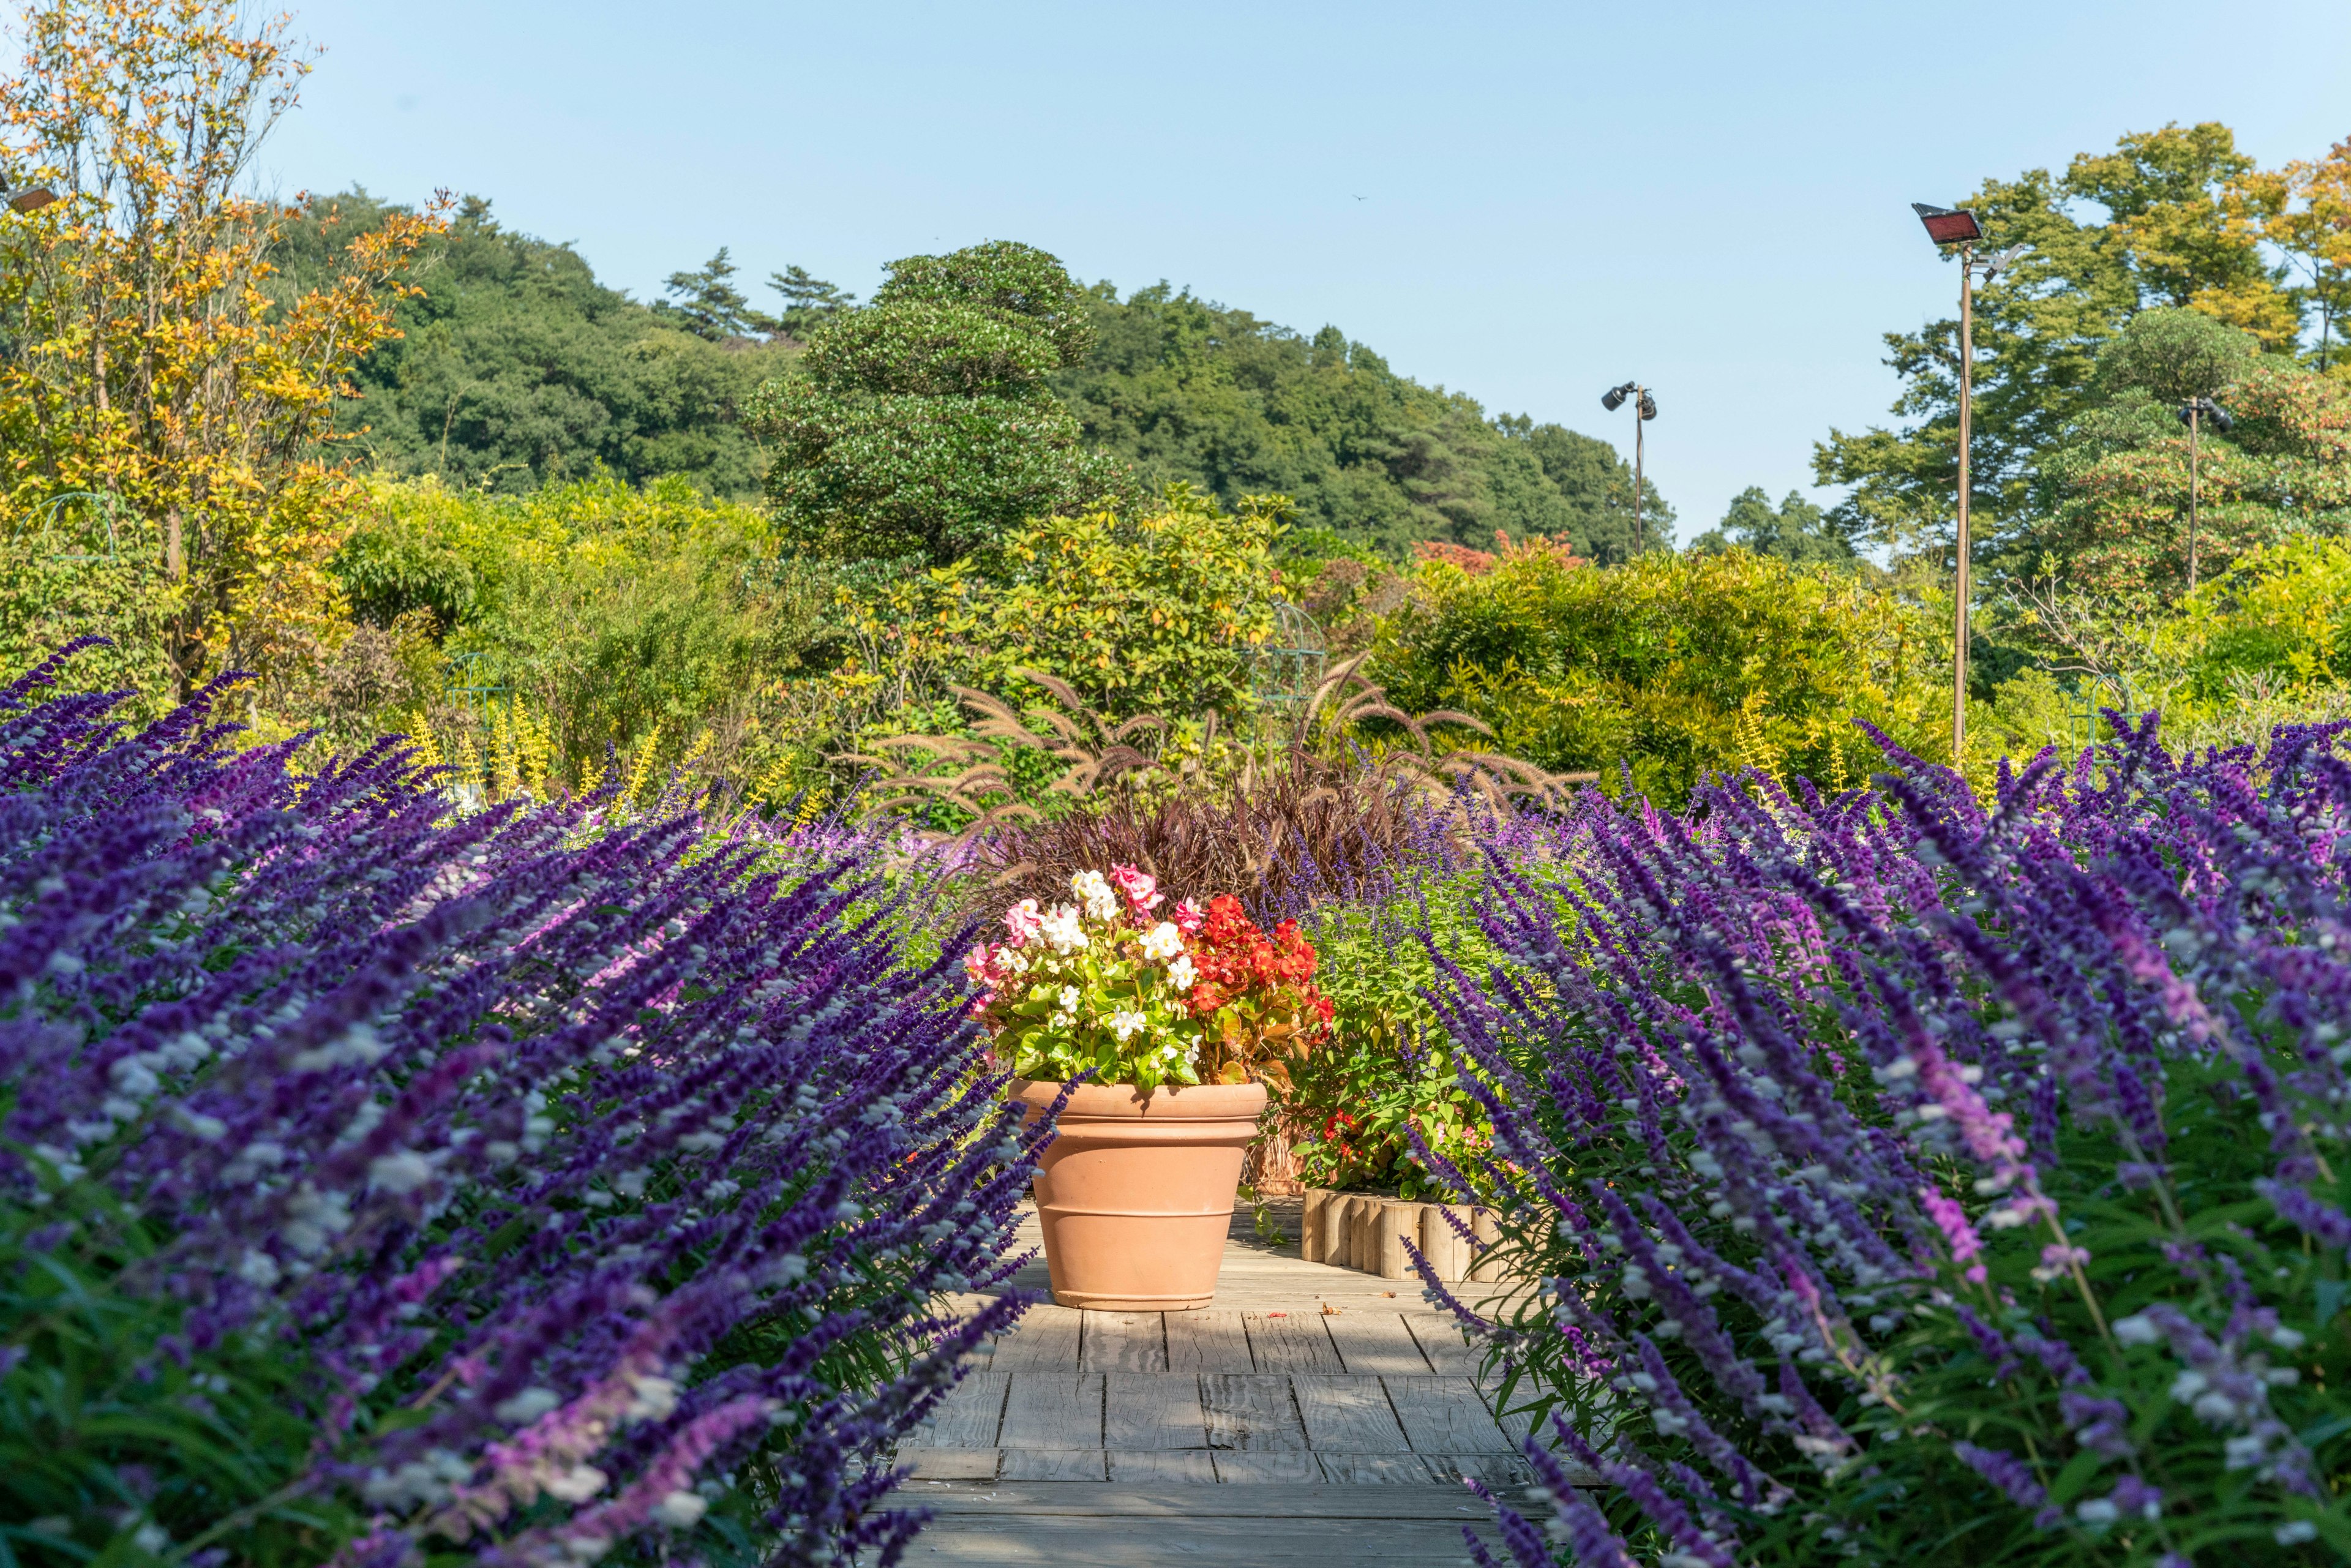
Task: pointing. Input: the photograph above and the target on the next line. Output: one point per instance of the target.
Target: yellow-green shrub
(1672, 666)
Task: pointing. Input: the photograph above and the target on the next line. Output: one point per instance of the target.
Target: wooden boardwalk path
(1314, 1417)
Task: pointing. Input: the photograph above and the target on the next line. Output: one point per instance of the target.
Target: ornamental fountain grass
(1913, 1178)
(535, 1187)
(1151, 1038)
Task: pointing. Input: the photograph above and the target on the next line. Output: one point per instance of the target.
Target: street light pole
(1967, 399)
(2193, 413)
(2194, 421)
(1949, 226)
(1640, 536)
(1645, 408)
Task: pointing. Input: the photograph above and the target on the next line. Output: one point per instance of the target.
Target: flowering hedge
(1912, 1181)
(1099, 986)
(525, 1185)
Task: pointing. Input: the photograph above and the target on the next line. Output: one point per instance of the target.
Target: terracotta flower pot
(1136, 1195)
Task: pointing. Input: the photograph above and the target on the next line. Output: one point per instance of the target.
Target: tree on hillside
(923, 423)
(809, 302)
(2182, 209)
(708, 306)
(1799, 531)
(515, 368)
(1218, 398)
(153, 370)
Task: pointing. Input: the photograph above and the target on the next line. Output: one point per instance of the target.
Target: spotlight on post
(1645, 408)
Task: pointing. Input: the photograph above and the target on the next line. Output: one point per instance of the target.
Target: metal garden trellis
(106, 503)
(1290, 663)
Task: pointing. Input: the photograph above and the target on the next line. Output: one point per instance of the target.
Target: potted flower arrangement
(1180, 1023)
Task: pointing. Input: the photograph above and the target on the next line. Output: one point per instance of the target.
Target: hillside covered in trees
(515, 366)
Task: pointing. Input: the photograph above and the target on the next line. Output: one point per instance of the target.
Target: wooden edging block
(1489, 1235)
(1440, 1243)
(1310, 1224)
(1398, 1221)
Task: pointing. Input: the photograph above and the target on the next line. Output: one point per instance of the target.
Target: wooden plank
(1252, 1413)
(1255, 1468)
(1290, 1342)
(1142, 1412)
(950, 1464)
(1445, 1415)
(969, 1417)
(1052, 1410)
(1123, 1341)
(1208, 1340)
(1044, 1340)
(1378, 1469)
(1441, 1340)
(1055, 1465)
(1316, 1499)
(1496, 1470)
(1375, 1343)
(1347, 1415)
(1162, 1466)
(1064, 1540)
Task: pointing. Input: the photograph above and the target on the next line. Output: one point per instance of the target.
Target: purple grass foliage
(1874, 1159)
(582, 1175)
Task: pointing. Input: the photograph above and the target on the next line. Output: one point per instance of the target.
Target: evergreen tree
(809, 302)
(708, 306)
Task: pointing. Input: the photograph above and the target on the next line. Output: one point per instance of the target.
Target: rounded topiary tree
(923, 424)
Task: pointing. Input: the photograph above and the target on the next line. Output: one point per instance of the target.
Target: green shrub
(621, 617)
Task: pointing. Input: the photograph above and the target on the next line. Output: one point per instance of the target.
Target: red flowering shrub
(1256, 994)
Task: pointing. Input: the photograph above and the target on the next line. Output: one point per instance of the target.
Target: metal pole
(1640, 540)
(2195, 415)
(1960, 614)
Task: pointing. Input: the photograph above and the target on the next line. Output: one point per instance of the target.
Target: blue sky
(1524, 202)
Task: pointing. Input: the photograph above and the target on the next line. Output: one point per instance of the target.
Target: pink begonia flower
(1190, 917)
(1022, 920)
(1140, 887)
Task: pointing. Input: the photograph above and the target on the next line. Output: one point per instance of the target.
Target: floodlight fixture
(1949, 226)
(30, 200)
(1613, 398)
(2204, 411)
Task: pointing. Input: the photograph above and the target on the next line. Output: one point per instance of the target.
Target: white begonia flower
(1061, 931)
(1093, 890)
(1180, 974)
(1124, 1024)
(1163, 942)
(1069, 998)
